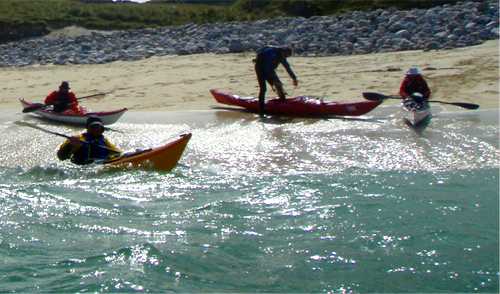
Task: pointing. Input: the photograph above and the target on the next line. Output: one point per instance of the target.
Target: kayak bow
(162, 158)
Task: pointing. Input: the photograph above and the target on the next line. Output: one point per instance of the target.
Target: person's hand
(295, 83)
(75, 142)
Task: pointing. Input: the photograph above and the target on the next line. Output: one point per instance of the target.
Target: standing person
(63, 99)
(268, 59)
(414, 82)
(89, 146)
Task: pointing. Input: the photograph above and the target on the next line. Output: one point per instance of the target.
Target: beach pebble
(358, 32)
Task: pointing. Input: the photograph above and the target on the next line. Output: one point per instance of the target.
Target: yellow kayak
(162, 158)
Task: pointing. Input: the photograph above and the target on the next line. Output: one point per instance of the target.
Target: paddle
(38, 106)
(27, 124)
(377, 96)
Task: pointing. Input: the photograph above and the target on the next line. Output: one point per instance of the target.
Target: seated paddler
(63, 99)
(414, 82)
(90, 146)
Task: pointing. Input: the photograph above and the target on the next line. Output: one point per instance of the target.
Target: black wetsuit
(268, 59)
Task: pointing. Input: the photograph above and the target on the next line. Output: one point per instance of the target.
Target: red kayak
(298, 106)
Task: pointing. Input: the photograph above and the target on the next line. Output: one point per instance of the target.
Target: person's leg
(278, 85)
(279, 90)
(262, 88)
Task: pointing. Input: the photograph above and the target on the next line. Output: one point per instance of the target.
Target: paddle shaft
(93, 95)
(26, 124)
(377, 96)
(21, 123)
(36, 107)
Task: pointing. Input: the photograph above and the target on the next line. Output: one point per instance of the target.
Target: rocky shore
(443, 27)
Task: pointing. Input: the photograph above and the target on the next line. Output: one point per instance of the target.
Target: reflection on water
(244, 143)
(272, 205)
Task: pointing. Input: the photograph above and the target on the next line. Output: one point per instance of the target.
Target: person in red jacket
(63, 99)
(414, 82)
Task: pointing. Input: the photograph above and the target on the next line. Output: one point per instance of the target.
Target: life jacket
(63, 102)
(91, 150)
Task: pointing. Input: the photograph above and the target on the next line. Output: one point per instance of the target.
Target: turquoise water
(273, 205)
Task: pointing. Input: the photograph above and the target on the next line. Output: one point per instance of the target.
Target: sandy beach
(173, 83)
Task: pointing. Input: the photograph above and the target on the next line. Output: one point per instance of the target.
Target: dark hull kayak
(301, 106)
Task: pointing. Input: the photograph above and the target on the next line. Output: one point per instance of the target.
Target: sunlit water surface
(272, 205)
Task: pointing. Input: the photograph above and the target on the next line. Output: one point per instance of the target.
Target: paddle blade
(459, 104)
(466, 105)
(34, 107)
(23, 123)
(374, 96)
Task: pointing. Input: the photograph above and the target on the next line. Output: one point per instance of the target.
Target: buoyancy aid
(63, 102)
(92, 149)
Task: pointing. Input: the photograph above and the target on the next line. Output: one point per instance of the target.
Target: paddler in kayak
(63, 99)
(266, 62)
(414, 82)
(89, 146)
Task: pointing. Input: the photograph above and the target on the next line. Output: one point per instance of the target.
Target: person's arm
(289, 70)
(427, 90)
(51, 98)
(65, 150)
(69, 147)
(114, 151)
(73, 102)
(402, 89)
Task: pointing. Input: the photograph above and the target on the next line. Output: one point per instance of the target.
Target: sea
(273, 204)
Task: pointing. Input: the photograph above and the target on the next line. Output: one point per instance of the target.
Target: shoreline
(173, 83)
